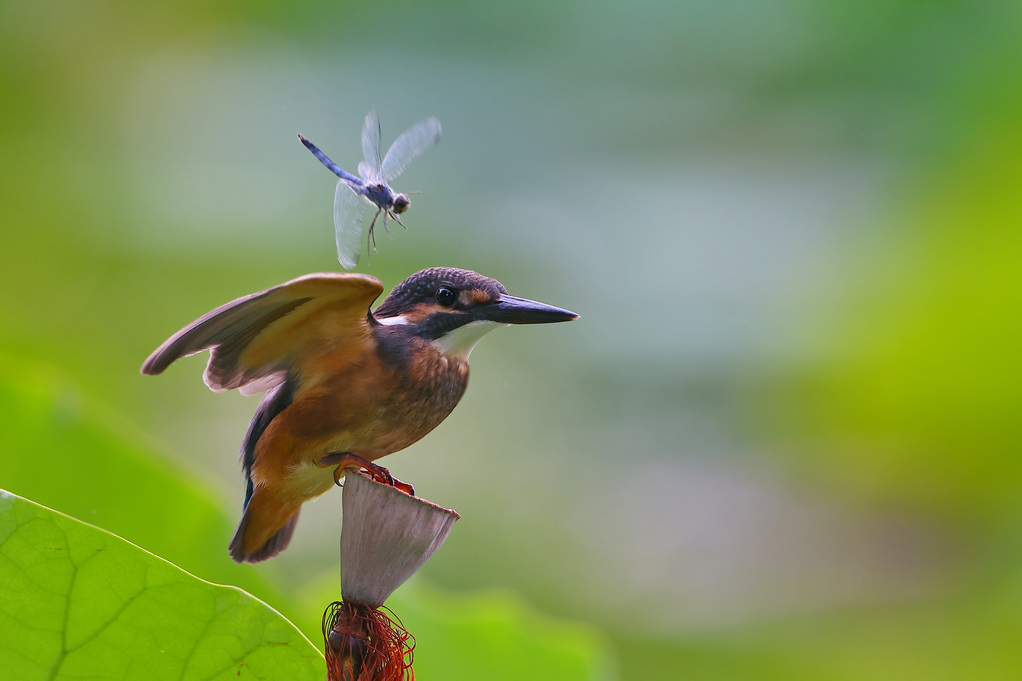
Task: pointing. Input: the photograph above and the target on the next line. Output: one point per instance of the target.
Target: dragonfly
(357, 194)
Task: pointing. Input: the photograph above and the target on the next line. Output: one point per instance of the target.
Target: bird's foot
(345, 460)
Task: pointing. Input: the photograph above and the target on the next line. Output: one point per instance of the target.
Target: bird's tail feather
(264, 531)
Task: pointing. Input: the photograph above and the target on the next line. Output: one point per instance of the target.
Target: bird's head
(452, 309)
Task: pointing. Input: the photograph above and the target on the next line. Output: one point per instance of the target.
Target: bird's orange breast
(364, 405)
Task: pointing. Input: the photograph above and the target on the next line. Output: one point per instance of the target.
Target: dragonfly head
(401, 203)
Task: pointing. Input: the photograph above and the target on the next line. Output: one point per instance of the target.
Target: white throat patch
(400, 320)
(459, 343)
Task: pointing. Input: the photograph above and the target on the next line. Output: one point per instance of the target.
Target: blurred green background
(783, 440)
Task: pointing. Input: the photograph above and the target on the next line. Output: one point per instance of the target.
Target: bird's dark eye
(446, 296)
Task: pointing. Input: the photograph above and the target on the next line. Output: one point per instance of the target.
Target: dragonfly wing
(349, 214)
(367, 173)
(371, 147)
(408, 146)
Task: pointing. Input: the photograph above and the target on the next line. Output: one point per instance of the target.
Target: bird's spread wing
(257, 339)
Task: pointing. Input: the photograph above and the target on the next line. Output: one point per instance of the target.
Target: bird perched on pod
(345, 385)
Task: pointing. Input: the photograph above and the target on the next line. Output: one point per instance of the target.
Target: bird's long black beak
(513, 310)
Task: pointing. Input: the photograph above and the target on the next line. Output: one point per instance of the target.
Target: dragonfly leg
(397, 219)
(371, 239)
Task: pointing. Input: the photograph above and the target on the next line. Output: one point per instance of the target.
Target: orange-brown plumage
(340, 379)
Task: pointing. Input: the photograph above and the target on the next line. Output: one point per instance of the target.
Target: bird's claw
(402, 486)
(344, 461)
(384, 476)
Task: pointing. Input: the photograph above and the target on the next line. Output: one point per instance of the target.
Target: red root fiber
(364, 643)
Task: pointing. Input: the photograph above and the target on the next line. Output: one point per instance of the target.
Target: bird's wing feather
(257, 339)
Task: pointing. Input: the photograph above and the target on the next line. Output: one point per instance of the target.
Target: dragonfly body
(385, 199)
(373, 183)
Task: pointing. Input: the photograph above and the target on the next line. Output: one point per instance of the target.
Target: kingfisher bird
(345, 385)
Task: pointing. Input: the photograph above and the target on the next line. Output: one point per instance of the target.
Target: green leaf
(77, 602)
(61, 450)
